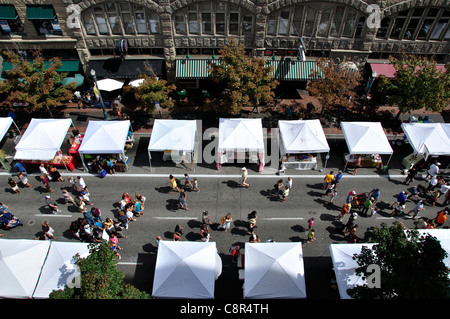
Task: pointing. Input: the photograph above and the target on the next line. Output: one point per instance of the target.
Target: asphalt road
(219, 194)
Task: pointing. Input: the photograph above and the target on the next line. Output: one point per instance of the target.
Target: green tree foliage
(35, 82)
(244, 80)
(100, 278)
(411, 265)
(417, 84)
(150, 91)
(335, 84)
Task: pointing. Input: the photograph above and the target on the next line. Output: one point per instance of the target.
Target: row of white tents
(33, 269)
(43, 137)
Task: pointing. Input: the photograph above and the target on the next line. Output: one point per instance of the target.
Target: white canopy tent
(59, 268)
(345, 266)
(42, 139)
(173, 136)
(5, 124)
(241, 135)
(34, 268)
(274, 270)
(428, 138)
(105, 137)
(21, 264)
(109, 84)
(186, 270)
(366, 138)
(302, 136)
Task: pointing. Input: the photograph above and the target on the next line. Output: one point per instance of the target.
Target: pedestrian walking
(195, 185)
(337, 178)
(357, 164)
(12, 183)
(205, 218)
(82, 183)
(327, 180)
(48, 231)
(73, 184)
(375, 194)
(43, 170)
(182, 200)
(310, 223)
(205, 236)
(433, 170)
(367, 206)
(418, 208)
(344, 210)
(52, 205)
(187, 181)
(311, 236)
(285, 194)
(173, 184)
(177, 233)
(23, 179)
(244, 176)
(46, 182)
(225, 222)
(333, 194)
(412, 172)
(289, 182)
(401, 199)
(68, 198)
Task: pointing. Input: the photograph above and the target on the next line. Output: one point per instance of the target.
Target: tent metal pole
(150, 160)
(82, 161)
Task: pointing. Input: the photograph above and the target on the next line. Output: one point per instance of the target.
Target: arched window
(213, 17)
(117, 18)
(384, 27)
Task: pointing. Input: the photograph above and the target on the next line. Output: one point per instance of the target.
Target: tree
(244, 80)
(417, 84)
(151, 91)
(100, 278)
(335, 84)
(36, 83)
(411, 266)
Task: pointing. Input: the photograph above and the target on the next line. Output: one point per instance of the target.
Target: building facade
(162, 31)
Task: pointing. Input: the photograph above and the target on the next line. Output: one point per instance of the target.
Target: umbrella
(136, 83)
(78, 79)
(109, 85)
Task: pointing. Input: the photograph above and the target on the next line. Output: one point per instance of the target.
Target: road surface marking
(284, 218)
(174, 217)
(51, 215)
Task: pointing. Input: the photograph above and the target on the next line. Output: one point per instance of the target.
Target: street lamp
(105, 114)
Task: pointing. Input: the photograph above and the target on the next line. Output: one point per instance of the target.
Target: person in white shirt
(433, 170)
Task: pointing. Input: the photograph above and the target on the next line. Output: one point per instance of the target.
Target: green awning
(43, 12)
(7, 12)
(67, 66)
(293, 70)
(284, 70)
(193, 69)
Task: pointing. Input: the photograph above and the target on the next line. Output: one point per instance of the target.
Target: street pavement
(219, 194)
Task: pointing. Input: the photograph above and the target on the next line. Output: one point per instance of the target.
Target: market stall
(176, 138)
(5, 125)
(105, 138)
(368, 140)
(426, 139)
(186, 269)
(274, 270)
(240, 139)
(345, 266)
(41, 143)
(300, 139)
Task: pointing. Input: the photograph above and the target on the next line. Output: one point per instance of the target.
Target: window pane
(350, 24)
(283, 22)
(193, 23)
(425, 29)
(296, 24)
(141, 25)
(271, 24)
(180, 26)
(432, 12)
(247, 23)
(337, 21)
(234, 23)
(206, 23)
(324, 22)
(412, 25)
(397, 29)
(438, 29)
(88, 23)
(153, 22)
(114, 23)
(220, 23)
(309, 24)
(384, 26)
(101, 23)
(360, 27)
(128, 25)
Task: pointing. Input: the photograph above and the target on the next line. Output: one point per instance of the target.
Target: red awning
(388, 69)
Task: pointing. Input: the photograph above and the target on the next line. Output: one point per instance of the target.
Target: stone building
(160, 32)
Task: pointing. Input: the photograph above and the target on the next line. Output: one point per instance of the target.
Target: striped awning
(284, 70)
(293, 70)
(193, 69)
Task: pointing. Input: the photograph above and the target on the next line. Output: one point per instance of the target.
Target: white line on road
(176, 217)
(134, 263)
(51, 215)
(284, 218)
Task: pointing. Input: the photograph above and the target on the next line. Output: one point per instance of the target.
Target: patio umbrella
(78, 79)
(136, 83)
(109, 85)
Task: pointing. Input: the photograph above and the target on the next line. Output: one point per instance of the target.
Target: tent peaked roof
(241, 134)
(303, 136)
(431, 138)
(105, 137)
(173, 135)
(42, 139)
(274, 270)
(185, 270)
(21, 263)
(366, 138)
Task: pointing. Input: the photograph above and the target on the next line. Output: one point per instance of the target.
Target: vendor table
(412, 159)
(230, 156)
(58, 161)
(73, 150)
(367, 160)
(299, 162)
